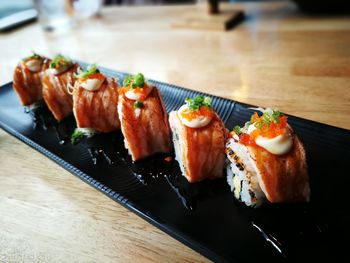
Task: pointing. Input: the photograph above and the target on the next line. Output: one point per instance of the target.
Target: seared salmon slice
(283, 178)
(55, 91)
(27, 83)
(199, 151)
(97, 109)
(145, 129)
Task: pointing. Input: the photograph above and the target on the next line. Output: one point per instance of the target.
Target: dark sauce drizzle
(61, 133)
(108, 158)
(270, 239)
(93, 155)
(187, 196)
(288, 229)
(151, 169)
(154, 168)
(43, 119)
(146, 171)
(41, 116)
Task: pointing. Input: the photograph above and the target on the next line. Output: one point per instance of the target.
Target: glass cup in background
(59, 15)
(54, 14)
(84, 9)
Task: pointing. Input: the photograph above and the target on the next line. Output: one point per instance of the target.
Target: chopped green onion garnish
(197, 102)
(127, 81)
(60, 61)
(81, 133)
(237, 130)
(139, 80)
(136, 81)
(92, 69)
(268, 117)
(77, 136)
(138, 104)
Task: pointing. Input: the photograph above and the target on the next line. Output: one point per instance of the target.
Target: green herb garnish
(135, 81)
(81, 133)
(197, 102)
(139, 80)
(138, 104)
(92, 69)
(268, 117)
(77, 136)
(127, 81)
(237, 129)
(60, 61)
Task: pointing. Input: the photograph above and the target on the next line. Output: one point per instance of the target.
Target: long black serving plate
(205, 215)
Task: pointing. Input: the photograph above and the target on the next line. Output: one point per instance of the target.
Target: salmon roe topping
(271, 130)
(246, 139)
(203, 111)
(143, 91)
(267, 129)
(98, 76)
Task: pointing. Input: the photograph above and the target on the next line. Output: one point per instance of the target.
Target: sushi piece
(56, 81)
(143, 119)
(199, 138)
(95, 100)
(27, 78)
(267, 161)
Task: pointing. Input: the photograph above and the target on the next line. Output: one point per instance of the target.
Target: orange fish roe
(271, 129)
(144, 91)
(98, 76)
(194, 114)
(264, 129)
(246, 139)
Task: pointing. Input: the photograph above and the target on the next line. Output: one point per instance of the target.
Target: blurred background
(16, 13)
(316, 4)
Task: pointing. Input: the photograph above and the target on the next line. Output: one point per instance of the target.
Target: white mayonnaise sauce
(198, 122)
(278, 145)
(91, 84)
(59, 70)
(133, 95)
(34, 65)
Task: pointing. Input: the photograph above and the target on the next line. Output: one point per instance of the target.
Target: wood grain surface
(276, 57)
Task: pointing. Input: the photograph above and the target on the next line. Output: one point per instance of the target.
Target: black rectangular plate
(205, 215)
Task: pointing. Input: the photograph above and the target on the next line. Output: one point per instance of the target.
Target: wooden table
(277, 57)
